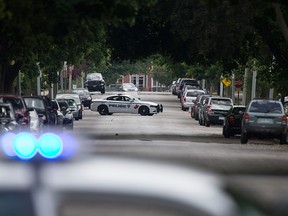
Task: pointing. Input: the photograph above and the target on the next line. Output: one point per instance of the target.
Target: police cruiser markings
(122, 103)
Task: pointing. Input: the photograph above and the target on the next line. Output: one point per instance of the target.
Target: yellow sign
(226, 81)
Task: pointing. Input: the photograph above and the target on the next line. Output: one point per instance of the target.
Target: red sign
(238, 83)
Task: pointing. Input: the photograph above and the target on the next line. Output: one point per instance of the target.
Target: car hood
(149, 103)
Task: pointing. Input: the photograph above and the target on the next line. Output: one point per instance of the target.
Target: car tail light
(231, 120)
(246, 117)
(208, 107)
(284, 120)
(26, 117)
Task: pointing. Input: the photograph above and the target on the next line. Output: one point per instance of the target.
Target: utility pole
(253, 93)
(39, 79)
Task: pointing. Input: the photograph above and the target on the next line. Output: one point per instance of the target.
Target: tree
(53, 31)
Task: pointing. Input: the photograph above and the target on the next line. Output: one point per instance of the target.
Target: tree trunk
(8, 74)
(281, 21)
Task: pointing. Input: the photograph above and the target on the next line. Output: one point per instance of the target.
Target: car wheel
(207, 123)
(243, 138)
(103, 110)
(196, 117)
(226, 132)
(283, 138)
(103, 91)
(144, 110)
(192, 114)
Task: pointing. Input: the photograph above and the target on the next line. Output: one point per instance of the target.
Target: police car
(121, 103)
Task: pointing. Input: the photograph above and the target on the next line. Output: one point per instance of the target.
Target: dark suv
(95, 82)
(264, 118)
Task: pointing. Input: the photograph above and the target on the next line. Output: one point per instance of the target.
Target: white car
(121, 103)
(188, 98)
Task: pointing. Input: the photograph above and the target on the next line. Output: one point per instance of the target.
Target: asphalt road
(257, 170)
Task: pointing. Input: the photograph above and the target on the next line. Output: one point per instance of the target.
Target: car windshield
(35, 103)
(94, 76)
(75, 97)
(129, 85)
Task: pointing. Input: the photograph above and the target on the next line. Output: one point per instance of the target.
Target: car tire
(196, 117)
(226, 132)
(283, 138)
(103, 110)
(103, 91)
(244, 138)
(207, 123)
(192, 113)
(144, 110)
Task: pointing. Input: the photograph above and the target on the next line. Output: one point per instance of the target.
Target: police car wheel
(144, 110)
(103, 110)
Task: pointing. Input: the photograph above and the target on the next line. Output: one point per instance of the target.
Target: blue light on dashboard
(50, 145)
(69, 145)
(25, 145)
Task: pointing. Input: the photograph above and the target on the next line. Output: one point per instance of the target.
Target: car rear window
(221, 102)
(35, 103)
(194, 93)
(265, 107)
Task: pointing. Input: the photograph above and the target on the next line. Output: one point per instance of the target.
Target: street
(259, 168)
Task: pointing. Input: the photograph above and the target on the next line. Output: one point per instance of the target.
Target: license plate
(265, 121)
(94, 85)
(221, 118)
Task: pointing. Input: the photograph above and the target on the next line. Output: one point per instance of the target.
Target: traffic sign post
(238, 84)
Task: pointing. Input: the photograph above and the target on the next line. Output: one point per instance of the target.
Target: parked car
(78, 108)
(85, 96)
(187, 81)
(20, 108)
(173, 87)
(215, 109)
(199, 108)
(43, 109)
(72, 106)
(128, 87)
(189, 97)
(232, 122)
(95, 82)
(8, 119)
(68, 120)
(60, 116)
(265, 118)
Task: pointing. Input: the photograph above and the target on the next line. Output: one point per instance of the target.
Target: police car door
(116, 105)
(132, 106)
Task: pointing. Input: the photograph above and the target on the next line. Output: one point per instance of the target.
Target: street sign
(238, 83)
(226, 81)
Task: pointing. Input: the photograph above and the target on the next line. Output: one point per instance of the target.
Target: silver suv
(265, 118)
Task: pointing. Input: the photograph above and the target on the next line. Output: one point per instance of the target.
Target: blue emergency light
(49, 146)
